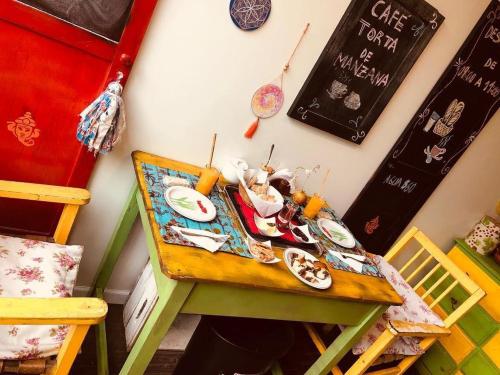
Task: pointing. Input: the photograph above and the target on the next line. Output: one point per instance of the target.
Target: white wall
(195, 75)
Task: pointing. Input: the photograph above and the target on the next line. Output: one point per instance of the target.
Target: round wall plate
(249, 15)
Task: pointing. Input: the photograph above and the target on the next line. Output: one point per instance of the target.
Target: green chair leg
(344, 342)
(276, 369)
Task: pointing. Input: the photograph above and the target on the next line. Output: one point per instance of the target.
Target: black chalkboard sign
(459, 106)
(103, 17)
(370, 52)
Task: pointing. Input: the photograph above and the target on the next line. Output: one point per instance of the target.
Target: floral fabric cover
(485, 236)
(35, 269)
(413, 309)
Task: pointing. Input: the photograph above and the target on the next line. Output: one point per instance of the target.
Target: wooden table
(195, 281)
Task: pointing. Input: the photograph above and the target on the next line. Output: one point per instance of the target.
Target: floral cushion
(35, 269)
(413, 309)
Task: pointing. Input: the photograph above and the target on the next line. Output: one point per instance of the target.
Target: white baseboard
(113, 296)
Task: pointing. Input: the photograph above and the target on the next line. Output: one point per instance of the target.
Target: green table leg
(344, 342)
(108, 262)
(169, 304)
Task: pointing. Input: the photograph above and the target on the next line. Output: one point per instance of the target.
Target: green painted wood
(486, 263)
(420, 367)
(477, 323)
(151, 245)
(219, 299)
(478, 363)
(437, 361)
(156, 326)
(101, 343)
(344, 342)
(118, 239)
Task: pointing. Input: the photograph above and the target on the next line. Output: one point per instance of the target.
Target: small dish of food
(301, 233)
(307, 268)
(257, 193)
(267, 226)
(262, 251)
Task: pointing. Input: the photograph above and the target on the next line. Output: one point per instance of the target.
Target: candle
(313, 207)
(208, 178)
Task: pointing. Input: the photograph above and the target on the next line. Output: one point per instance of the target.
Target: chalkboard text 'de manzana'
(382, 11)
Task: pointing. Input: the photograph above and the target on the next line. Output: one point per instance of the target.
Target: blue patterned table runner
(165, 216)
(368, 269)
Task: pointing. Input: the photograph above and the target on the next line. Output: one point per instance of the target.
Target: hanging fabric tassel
(103, 121)
(252, 129)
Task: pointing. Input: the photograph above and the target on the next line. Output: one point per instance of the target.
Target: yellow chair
(78, 313)
(428, 256)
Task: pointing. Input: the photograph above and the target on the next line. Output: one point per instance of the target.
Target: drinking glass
(208, 178)
(286, 214)
(313, 207)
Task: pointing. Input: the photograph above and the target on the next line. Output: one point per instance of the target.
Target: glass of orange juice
(313, 207)
(208, 178)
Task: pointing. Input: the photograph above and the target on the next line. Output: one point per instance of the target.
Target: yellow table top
(190, 263)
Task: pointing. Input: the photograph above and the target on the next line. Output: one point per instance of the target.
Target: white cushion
(35, 269)
(413, 309)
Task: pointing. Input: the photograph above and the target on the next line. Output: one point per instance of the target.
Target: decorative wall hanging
(367, 57)
(456, 110)
(269, 98)
(103, 121)
(24, 129)
(249, 14)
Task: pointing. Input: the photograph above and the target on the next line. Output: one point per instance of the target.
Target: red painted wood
(50, 27)
(52, 70)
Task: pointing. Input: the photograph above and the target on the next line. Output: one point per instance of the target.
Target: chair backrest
(439, 282)
(72, 198)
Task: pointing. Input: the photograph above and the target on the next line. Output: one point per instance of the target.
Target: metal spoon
(270, 154)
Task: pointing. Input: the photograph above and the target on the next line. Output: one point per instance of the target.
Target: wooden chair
(443, 274)
(78, 313)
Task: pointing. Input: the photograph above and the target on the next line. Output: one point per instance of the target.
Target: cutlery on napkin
(202, 238)
(353, 260)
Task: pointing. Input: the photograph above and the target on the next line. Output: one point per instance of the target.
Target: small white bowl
(304, 229)
(267, 226)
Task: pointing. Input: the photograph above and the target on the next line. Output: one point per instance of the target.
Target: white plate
(186, 201)
(337, 233)
(321, 284)
(267, 226)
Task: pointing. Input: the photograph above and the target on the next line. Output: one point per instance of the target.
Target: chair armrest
(48, 311)
(44, 193)
(401, 328)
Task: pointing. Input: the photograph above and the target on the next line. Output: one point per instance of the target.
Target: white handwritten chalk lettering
(360, 70)
(366, 55)
(490, 63)
(377, 36)
(406, 186)
(491, 88)
(493, 33)
(467, 74)
(393, 18)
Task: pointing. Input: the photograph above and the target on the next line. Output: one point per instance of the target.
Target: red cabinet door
(50, 71)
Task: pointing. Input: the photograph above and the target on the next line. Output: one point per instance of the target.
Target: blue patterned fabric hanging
(103, 121)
